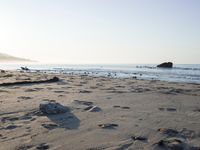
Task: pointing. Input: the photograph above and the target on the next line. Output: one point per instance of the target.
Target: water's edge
(188, 73)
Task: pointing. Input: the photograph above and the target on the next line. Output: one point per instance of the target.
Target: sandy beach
(103, 113)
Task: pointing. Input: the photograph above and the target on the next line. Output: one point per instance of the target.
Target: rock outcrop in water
(166, 65)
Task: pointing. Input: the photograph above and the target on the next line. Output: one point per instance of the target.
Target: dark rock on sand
(52, 108)
(166, 65)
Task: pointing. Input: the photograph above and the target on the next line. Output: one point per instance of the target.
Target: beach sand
(105, 113)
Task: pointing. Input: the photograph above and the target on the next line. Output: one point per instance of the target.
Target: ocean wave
(182, 68)
(177, 68)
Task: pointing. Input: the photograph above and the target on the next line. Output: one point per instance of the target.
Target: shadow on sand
(66, 120)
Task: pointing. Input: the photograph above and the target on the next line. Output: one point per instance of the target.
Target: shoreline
(105, 113)
(179, 73)
(93, 74)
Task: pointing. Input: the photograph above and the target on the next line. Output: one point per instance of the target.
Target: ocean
(183, 73)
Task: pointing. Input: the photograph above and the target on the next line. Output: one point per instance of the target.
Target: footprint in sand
(183, 133)
(50, 126)
(174, 91)
(14, 87)
(66, 87)
(30, 90)
(117, 91)
(42, 146)
(25, 117)
(9, 118)
(172, 109)
(85, 91)
(197, 110)
(48, 100)
(99, 84)
(84, 82)
(93, 87)
(125, 107)
(24, 97)
(78, 84)
(38, 89)
(85, 106)
(34, 89)
(11, 127)
(24, 147)
(49, 88)
(62, 83)
(3, 91)
(161, 109)
(61, 95)
(176, 139)
(83, 102)
(168, 132)
(122, 107)
(108, 126)
(116, 106)
(59, 91)
(120, 86)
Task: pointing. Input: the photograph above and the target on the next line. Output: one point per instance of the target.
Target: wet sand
(104, 113)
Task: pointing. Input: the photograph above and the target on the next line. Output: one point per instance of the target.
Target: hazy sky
(101, 31)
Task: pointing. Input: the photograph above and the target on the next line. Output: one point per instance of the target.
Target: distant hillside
(9, 58)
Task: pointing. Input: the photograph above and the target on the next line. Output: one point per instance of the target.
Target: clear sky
(101, 31)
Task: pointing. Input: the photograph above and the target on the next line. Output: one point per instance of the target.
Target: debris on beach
(94, 109)
(54, 79)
